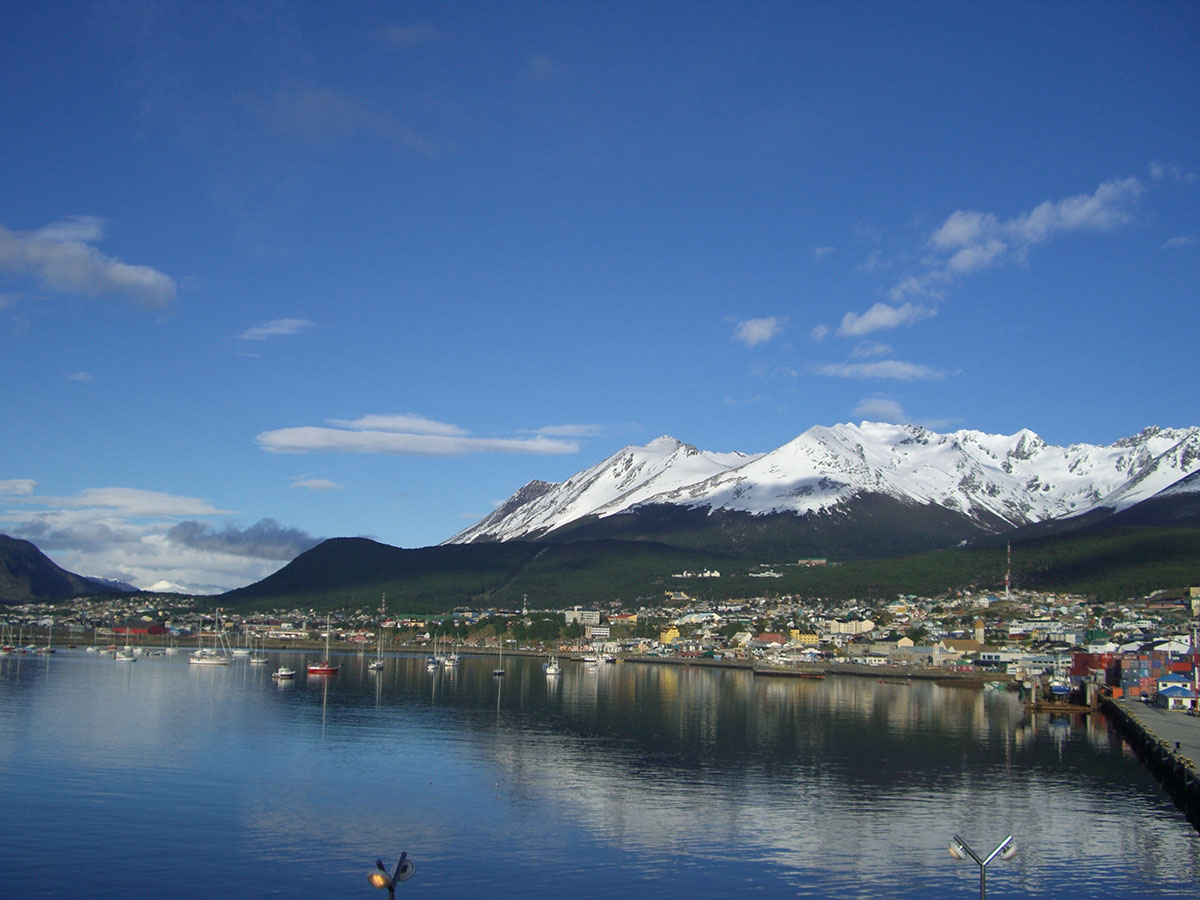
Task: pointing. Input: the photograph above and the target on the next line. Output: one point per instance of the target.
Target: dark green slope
(877, 526)
(355, 572)
(27, 575)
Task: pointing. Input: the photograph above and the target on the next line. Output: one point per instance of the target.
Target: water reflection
(727, 781)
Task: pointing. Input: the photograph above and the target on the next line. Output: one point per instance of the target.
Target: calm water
(162, 779)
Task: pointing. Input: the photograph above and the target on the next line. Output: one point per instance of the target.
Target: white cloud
(882, 316)
(757, 331)
(405, 423)
(61, 259)
(19, 487)
(317, 485)
(579, 431)
(79, 376)
(819, 332)
(1172, 172)
(134, 502)
(275, 328)
(313, 439)
(894, 369)
(970, 240)
(125, 533)
(821, 252)
(1184, 240)
(86, 229)
(868, 349)
(880, 409)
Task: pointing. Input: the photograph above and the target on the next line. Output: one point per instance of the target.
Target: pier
(1168, 742)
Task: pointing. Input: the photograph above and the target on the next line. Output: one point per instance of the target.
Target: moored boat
(324, 666)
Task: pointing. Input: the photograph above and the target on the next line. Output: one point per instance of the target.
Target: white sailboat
(218, 653)
(377, 663)
(258, 658)
(551, 666)
(499, 672)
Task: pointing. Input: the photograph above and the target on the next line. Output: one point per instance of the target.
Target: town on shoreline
(1019, 637)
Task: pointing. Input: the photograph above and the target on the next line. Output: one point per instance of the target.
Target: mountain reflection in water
(616, 781)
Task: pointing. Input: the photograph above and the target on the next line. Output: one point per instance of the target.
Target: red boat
(324, 667)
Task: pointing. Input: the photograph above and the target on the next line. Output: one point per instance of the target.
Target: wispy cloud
(61, 258)
(1160, 171)
(401, 435)
(821, 252)
(17, 487)
(405, 423)
(79, 376)
(1184, 240)
(970, 240)
(869, 349)
(541, 69)
(409, 36)
(881, 316)
(316, 485)
(579, 431)
(880, 409)
(275, 328)
(894, 369)
(319, 115)
(134, 502)
(752, 332)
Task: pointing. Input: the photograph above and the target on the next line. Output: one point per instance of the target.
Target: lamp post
(379, 877)
(1006, 850)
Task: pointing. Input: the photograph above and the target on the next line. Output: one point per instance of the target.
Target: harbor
(1168, 742)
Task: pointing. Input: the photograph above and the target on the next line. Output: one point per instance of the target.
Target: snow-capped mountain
(627, 478)
(989, 482)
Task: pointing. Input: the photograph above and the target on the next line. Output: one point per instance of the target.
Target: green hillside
(1109, 564)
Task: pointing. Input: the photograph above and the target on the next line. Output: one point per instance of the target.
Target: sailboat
(325, 666)
(245, 649)
(258, 658)
(48, 648)
(499, 673)
(377, 663)
(125, 654)
(551, 666)
(217, 654)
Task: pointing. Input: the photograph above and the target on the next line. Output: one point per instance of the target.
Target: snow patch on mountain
(1016, 478)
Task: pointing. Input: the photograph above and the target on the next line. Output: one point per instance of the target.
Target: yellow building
(668, 635)
(804, 638)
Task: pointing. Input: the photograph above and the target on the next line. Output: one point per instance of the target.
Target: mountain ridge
(989, 482)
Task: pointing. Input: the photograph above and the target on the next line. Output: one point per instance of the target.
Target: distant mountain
(27, 575)
(111, 584)
(854, 491)
(342, 573)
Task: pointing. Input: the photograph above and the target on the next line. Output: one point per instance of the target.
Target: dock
(1168, 742)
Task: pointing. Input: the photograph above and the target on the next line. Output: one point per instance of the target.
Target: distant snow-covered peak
(1016, 478)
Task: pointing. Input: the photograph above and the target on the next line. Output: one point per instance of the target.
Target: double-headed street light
(959, 850)
(380, 878)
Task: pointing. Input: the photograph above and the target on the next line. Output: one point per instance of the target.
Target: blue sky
(275, 272)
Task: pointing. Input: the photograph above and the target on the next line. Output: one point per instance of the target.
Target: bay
(162, 779)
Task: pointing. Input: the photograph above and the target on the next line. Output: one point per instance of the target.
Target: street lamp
(379, 877)
(959, 850)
